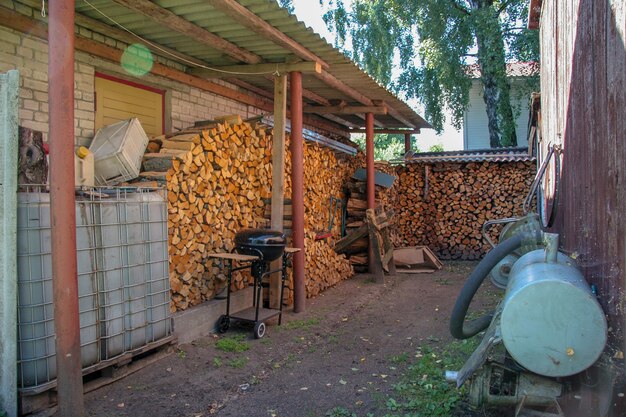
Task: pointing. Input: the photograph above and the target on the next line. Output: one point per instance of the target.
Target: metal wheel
(223, 323)
(259, 329)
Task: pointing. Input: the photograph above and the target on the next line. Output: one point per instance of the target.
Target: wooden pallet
(41, 402)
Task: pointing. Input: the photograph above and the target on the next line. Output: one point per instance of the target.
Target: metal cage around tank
(123, 278)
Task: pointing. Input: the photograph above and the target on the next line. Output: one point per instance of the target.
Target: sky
(310, 12)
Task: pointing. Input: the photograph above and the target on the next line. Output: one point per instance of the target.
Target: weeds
(401, 358)
(181, 354)
(303, 324)
(237, 362)
(340, 412)
(422, 389)
(232, 344)
(217, 362)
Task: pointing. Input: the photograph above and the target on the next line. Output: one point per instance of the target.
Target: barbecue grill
(255, 249)
(269, 245)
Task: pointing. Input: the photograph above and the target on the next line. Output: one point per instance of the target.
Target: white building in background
(475, 123)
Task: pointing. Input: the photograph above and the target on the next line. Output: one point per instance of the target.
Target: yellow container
(84, 167)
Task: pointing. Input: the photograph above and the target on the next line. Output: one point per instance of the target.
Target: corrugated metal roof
(202, 14)
(477, 155)
(513, 69)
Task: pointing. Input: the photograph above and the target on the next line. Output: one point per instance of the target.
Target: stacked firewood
(324, 176)
(444, 205)
(216, 180)
(356, 207)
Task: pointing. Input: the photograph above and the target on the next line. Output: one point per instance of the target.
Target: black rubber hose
(464, 330)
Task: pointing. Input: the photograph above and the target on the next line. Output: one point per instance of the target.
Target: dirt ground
(347, 355)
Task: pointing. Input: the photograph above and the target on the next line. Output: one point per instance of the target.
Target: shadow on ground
(360, 349)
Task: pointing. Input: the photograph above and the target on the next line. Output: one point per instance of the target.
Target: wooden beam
(278, 176)
(178, 24)
(122, 35)
(394, 113)
(25, 24)
(253, 22)
(256, 69)
(252, 88)
(346, 109)
(331, 81)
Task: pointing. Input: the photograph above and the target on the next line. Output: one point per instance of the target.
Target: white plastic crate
(118, 150)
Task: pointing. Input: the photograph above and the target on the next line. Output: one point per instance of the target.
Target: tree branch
(459, 7)
(504, 6)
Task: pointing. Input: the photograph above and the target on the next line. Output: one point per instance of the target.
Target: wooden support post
(278, 177)
(375, 260)
(407, 142)
(297, 191)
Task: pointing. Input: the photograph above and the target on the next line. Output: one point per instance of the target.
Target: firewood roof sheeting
(254, 45)
(476, 155)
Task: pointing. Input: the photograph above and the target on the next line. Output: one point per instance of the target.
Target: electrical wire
(155, 46)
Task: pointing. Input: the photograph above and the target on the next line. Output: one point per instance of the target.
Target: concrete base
(201, 320)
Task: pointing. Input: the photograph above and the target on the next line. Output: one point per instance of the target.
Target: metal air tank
(551, 322)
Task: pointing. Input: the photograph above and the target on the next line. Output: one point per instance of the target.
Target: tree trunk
(496, 89)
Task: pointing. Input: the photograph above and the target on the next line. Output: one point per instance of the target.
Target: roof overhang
(246, 43)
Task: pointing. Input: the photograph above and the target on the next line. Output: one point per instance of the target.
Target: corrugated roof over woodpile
(513, 69)
(179, 20)
(518, 154)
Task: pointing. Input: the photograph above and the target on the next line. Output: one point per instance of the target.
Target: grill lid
(260, 237)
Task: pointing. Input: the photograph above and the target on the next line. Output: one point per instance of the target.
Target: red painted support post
(407, 142)
(370, 184)
(62, 210)
(369, 157)
(297, 190)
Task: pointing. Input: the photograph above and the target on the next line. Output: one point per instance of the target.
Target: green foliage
(232, 344)
(386, 146)
(340, 412)
(217, 362)
(422, 390)
(287, 4)
(237, 362)
(436, 148)
(434, 41)
(302, 324)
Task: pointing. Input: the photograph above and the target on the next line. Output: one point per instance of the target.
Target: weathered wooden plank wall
(583, 109)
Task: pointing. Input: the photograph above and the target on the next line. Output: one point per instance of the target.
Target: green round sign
(137, 60)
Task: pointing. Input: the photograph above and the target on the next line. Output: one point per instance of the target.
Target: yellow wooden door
(118, 100)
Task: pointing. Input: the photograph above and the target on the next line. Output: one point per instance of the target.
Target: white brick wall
(29, 55)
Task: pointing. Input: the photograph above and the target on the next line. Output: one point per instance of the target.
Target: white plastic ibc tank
(118, 150)
(36, 348)
(134, 272)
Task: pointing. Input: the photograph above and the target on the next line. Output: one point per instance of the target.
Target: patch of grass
(217, 362)
(401, 358)
(340, 412)
(181, 354)
(422, 389)
(303, 324)
(370, 280)
(237, 362)
(232, 344)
